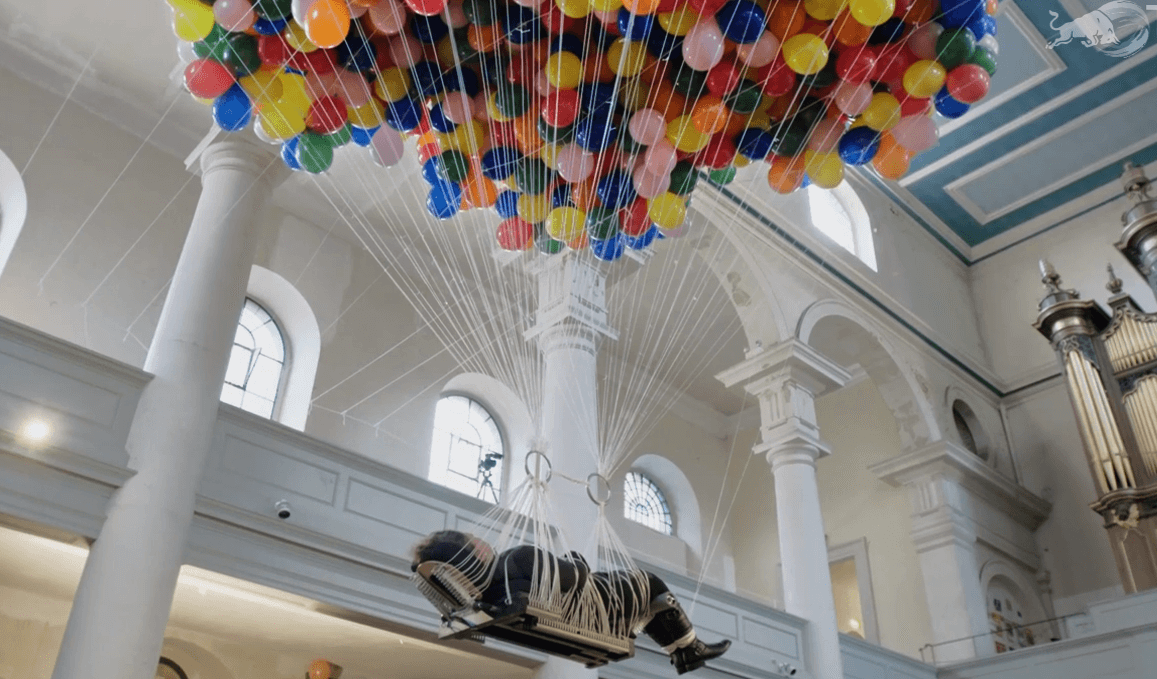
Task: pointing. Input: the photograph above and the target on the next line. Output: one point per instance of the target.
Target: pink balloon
(542, 84)
(405, 51)
(458, 107)
(575, 164)
(922, 42)
(648, 126)
(387, 145)
(321, 85)
(387, 16)
(677, 232)
(456, 15)
(649, 185)
(825, 136)
(357, 11)
(533, 4)
(703, 45)
(916, 133)
(352, 87)
(300, 9)
(759, 53)
(661, 157)
(234, 15)
(853, 99)
(607, 18)
(480, 112)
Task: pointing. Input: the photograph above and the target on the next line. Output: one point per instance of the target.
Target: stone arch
(997, 569)
(302, 337)
(850, 338)
(13, 208)
(195, 661)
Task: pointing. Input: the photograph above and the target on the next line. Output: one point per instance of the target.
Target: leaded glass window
(256, 363)
(466, 450)
(643, 502)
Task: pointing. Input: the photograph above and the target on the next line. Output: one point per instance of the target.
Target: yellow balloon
(606, 5)
(549, 155)
(370, 114)
(392, 84)
(872, 12)
(533, 208)
(826, 170)
(683, 135)
(492, 109)
(667, 210)
(680, 21)
(805, 53)
(281, 123)
(883, 113)
(565, 223)
(193, 24)
(467, 138)
(445, 51)
(627, 58)
(633, 94)
(296, 38)
(741, 160)
(575, 9)
(759, 119)
(564, 70)
(294, 92)
(824, 10)
(924, 78)
(264, 87)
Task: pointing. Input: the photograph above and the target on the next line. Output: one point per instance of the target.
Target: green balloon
(466, 54)
(955, 47)
(821, 79)
(241, 54)
(745, 98)
(629, 145)
(512, 100)
(480, 12)
(453, 166)
(314, 152)
(341, 137)
(689, 82)
(545, 244)
(984, 58)
(683, 178)
(215, 46)
(532, 175)
(555, 135)
(790, 139)
(273, 9)
(722, 177)
(602, 223)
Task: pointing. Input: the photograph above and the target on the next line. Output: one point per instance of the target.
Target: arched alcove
(680, 495)
(299, 326)
(13, 208)
(510, 413)
(194, 661)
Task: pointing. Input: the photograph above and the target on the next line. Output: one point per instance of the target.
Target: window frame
(503, 473)
(286, 360)
(857, 550)
(652, 484)
(859, 222)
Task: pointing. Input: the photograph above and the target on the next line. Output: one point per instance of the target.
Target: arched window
(253, 379)
(968, 429)
(644, 503)
(839, 214)
(466, 450)
(13, 207)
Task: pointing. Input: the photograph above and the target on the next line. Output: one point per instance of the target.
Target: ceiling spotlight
(854, 624)
(36, 431)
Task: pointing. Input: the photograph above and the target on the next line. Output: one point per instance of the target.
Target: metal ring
(598, 489)
(534, 474)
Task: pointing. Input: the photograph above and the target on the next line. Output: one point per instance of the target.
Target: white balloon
(387, 146)
(989, 43)
(185, 52)
(300, 8)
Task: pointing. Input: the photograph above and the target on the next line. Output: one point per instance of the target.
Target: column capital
(572, 294)
(790, 444)
(790, 360)
(240, 154)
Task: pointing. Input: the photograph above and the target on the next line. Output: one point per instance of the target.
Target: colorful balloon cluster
(588, 121)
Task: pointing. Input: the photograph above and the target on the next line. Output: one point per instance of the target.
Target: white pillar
(117, 623)
(787, 379)
(571, 320)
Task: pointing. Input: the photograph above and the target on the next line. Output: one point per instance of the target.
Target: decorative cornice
(791, 358)
(29, 337)
(947, 460)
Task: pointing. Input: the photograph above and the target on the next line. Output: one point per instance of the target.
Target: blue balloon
(755, 143)
(507, 204)
(500, 162)
(859, 146)
(957, 13)
(560, 197)
(595, 133)
(430, 171)
(522, 24)
(428, 29)
(362, 135)
(265, 26)
(949, 107)
(641, 242)
(464, 80)
(616, 189)
(891, 30)
(289, 153)
(427, 77)
(635, 26)
(404, 114)
(439, 121)
(357, 54)
(567, 42)
(982, 25)
(598, 97)
(807, 181)
(445, 199)
(741, 20)
(608, 250)
(233, 110)
(664, 45)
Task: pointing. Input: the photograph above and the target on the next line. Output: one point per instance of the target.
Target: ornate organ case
(1109, 361)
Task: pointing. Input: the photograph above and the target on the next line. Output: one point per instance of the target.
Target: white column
(787, 379)
(117, 623)
(571, 321)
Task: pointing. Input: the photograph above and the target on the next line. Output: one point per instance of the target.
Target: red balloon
(776, 78)
(902, 8)
(560, 108)
(326, 115)
(522, 69)
(555, 21)
(667, 6)
(706, 8)
(634, 220)
(719, 152)
(856, 64)
(911, 106)
(207, 79)
(968, 83)
(723, 78)
(891, 63)
(503, 135)
(426, 7)
(515, 234)
(273, 49)
(317, 61)
(383, 59)
(428, 151)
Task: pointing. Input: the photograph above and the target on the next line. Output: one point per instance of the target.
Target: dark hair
(473, 557)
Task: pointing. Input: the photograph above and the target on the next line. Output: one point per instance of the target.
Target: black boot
(672, 629)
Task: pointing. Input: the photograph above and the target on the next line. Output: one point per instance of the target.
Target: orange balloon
(709, 114)
(641, 6)
(892, 159)
(787, 19)
(736, 123)
(597, 70)
(786, 174)
(327, 23)
(584, 195)
(320, 669)
(479, 191)
(484, 38)
(666, 100)
(526, 133)
(579, 243)
(848, 31)
(923, 10)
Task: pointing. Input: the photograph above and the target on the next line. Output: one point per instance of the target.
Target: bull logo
(1103, 29)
